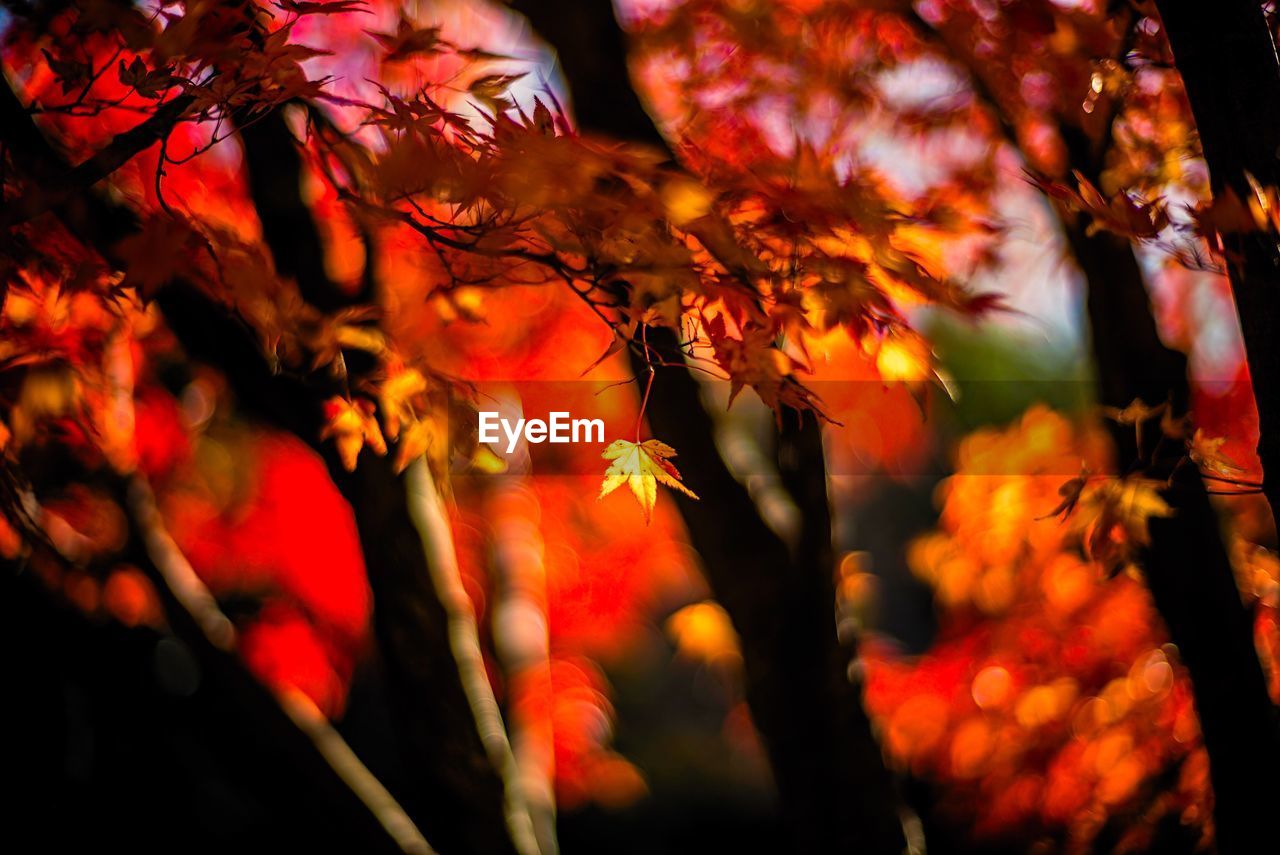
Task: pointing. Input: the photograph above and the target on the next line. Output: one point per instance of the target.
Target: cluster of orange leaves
(1052, 701)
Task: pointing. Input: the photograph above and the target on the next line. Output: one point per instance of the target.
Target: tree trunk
(459, 795)
(1227, 59)
(836, 793)
(1187, 567)
(453, 792)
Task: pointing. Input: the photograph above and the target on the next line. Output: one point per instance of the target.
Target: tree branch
(53, 190)
(426, 509)
(98, 222)
(184, 590)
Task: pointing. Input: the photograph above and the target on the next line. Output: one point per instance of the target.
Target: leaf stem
(648, 386)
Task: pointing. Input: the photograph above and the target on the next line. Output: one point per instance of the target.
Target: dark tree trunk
(455, 791)
(836, 793)
(1187, 568)
(167, 742)
(274, 169)
(1227, 59)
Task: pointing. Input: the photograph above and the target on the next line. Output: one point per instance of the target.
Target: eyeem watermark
(558, 428)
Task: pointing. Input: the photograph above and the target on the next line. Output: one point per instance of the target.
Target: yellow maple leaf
(1133, 502)
(1137, 412)
(396, 394)
(642, 466)
(352, 426)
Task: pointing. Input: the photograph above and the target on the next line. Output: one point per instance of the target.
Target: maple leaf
(395, 396)
(1225, 214)
(642, 466)
(71, 74)
(47, 394)
(1137, 412)
(751, 360)
(409, 40)
(327, 337)
(1206, 453)
(902, 357)
(1264, 205)
(1122, 215)
(160, 251)
(849, 298)
(1121, 510)
(491, 90)
(352, 425)
(542, 121)
(332, 7)
(147, 83)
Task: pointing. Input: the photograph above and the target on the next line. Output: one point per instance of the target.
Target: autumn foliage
(262, 264)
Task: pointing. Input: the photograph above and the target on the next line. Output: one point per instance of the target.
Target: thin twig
(426, 508)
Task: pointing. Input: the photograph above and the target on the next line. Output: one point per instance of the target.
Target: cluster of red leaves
(855, 247)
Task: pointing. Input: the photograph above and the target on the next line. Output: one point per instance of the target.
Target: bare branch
(429, 517)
